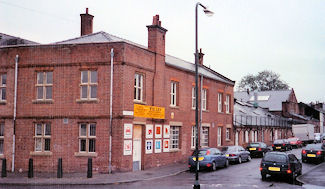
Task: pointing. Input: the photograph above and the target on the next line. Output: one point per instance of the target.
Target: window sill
(174, 150)
(40, 153)
(3, 102)
(220, 112)
(85, 154)
(2, 156)
(139, 102)
(42, 101)
(174, 107)
(205, 110)
(228, 140)
(87, 101)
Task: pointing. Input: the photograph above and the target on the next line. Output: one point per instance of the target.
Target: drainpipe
(111, 116)
(14, 120)
(200, 123)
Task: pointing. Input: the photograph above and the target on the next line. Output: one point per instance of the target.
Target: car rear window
(228, 149)
(254, 144)
(314, 146)
(292, 139)
(201, 153)
(278, 141)
(279, 158)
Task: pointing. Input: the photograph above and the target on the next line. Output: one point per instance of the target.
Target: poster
(158, 131)
(149, 131)
(166, 131)
(128, 130)
(166, 145)
(149, 146)
(127, 149)
(158, 146)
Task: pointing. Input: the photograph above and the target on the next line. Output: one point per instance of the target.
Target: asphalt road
(245, 175)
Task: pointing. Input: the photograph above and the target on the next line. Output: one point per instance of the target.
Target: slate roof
(101, 37)
(273, 103)
(8, 40)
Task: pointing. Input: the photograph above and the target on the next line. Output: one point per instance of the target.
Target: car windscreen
(278, 142)
(314, 146)
(254, 144)
(279, 158)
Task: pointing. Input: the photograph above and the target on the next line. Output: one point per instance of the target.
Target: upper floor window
(138, 87)
(174, 137)
(219, 102)
(173, 93)
(88, 85)
(2, 128)
(193, 98)
(204, 99)
(44, 85)
(42, 137)
(228, 104)
(87, 137)
(3, 85)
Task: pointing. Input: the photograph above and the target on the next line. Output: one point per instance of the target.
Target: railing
(244, 120)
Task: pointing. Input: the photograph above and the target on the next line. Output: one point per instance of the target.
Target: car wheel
(299, 173)
(239, 160)
(226, 163)
(293, 178)
(304, 160)
(263, 153)
(214, 167)
(191, 169)
(263, 176)
(249, 158)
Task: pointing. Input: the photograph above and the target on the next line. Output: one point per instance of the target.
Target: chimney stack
(86, 23)
(201, 57)
(156, 36)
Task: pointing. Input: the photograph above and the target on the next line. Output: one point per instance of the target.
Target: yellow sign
(154, 112)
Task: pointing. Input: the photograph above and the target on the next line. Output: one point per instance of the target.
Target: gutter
(15, 112)
(111, 116)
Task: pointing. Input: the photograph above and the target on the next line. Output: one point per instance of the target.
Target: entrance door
(137, 133)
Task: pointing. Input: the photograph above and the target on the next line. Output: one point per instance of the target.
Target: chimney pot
(201, 57)
(86, 10)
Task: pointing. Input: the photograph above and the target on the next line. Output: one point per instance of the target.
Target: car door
(243, 152)
(298, 164)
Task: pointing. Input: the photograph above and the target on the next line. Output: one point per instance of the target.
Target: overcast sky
(242, 37)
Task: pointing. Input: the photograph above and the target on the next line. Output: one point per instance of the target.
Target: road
(245, 175)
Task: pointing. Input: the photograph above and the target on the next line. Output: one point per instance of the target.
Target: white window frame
(44, 85)
(2, 139)
(89, 84)
(174, 137)
(219, 102)
(255, 136)
(219, 141)
(252, 136)
(227, 103)
(193, 98)
(3, 87)
(204, 99)
(138, 87)
(193, 137)
(87, 137)
(276, 134)
(173, 93)
(204, 136)
(227, 133)
(42, 137)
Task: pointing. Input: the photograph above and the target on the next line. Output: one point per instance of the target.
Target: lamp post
(208, 13)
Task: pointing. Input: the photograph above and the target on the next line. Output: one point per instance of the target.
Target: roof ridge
(80, 37)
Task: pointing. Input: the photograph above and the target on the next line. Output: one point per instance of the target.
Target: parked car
(236, 154)
(257, 149)
(317, 137)
(313, 153)
(281, 145)
(280, 163)
(295, 142)
(210, 158)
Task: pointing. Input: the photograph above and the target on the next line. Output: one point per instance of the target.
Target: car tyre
(226, 163)
(263, 153)
(263, 176)
(239, 160)
(293, 178)
(249, 158)
(214, 166)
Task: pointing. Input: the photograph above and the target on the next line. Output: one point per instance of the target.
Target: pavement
(314, 178)
(97, 179)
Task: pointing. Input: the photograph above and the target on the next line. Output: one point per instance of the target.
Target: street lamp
(208, 13)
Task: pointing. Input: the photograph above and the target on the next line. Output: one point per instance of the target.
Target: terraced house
(126, 106)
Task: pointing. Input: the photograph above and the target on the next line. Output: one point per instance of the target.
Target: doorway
(137, 145)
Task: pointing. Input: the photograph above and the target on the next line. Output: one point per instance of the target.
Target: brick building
(62, 104)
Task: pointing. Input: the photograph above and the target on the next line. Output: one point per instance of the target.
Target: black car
(236, 154)
(257, 149)
(280, 163)
(313, 153)
(281, 145)
(210, 158)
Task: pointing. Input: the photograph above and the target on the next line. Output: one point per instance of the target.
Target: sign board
(158, 146)
(149, 131)
(127, 149)
(127, 130)
(154, 112)
(166, 145)
(166, 131)
(149, 146)
(158, 131)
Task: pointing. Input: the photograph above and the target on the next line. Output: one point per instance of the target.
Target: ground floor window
(42, 137)
(228, 134)
(174, 137)
(219, 136)
(87, 137)
(205, 136)
(193, 137)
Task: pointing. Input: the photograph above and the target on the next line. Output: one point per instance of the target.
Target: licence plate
(278, 147)
(274, 168)
(252, 149)
(311, 155)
